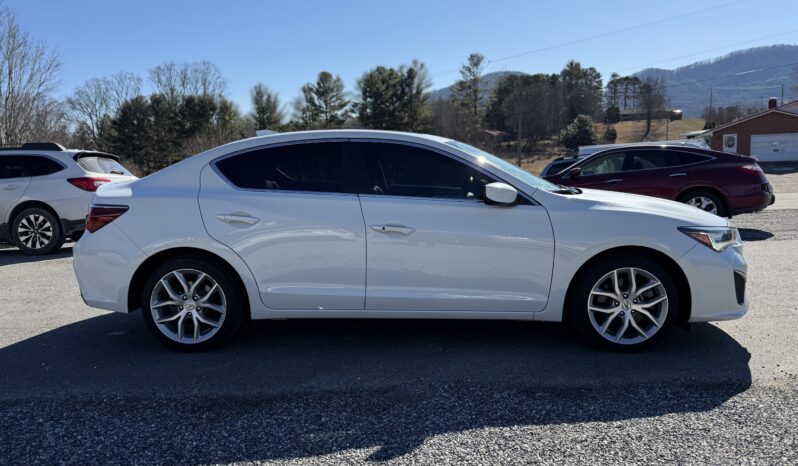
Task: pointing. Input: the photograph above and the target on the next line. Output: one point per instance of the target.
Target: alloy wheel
(188, 306)
(35, 231)
(703, 203)
(627, 306)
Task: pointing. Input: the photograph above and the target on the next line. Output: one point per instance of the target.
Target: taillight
(88, 183)
(751, 169)
(102, 216)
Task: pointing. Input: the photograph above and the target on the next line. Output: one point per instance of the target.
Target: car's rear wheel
(706, 201)
(626, 302)
(192, 304)
(36, 231)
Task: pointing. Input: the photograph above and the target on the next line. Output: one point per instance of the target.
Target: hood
(612, 200)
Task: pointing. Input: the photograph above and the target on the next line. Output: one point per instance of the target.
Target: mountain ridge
(747, 77)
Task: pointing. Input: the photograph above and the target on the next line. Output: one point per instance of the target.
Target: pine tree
(266, 112)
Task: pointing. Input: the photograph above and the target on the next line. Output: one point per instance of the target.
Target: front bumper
(717, 283)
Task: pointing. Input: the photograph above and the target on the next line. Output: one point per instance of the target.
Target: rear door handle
(232, 218)
(615, 180)
(678, 174)
(11, 187)
(393, 228)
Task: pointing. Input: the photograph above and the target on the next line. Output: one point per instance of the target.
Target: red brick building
(770, 136)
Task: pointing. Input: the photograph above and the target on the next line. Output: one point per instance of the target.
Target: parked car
(699, 142)
(46, 191)
(559, 164)
(372, 224)
(719, 183)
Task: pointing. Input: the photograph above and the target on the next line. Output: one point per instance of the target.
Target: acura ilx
(375, 224)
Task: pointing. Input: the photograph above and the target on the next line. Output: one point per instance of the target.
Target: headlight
(717, 238)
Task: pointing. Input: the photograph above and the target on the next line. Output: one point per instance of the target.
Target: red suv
(724, 184)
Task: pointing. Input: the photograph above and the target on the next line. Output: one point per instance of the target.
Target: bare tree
(652, 101)
(176, 80)
(100, 98)
(29, 73)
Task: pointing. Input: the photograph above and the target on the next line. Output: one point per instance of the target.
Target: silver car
(46, 190)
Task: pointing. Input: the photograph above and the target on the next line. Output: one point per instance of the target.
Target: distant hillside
(746, 76)
(491, 79)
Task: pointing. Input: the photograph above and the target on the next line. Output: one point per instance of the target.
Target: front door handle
(233, 218)
(393, 228)
(11, 187)
(678, 174)
(615, 180)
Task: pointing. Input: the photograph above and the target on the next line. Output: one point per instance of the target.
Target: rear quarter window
(40, 166)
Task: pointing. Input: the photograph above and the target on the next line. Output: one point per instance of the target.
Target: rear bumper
(72, 226)
(752, 203)
(104, 263)
(717, 283)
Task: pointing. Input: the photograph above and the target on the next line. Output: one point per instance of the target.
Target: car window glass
(652, 159)
(100, 164)
(603, 165)
(687, 158)
(299, 167)
(402, 170)
(40, 166)
(12, 166)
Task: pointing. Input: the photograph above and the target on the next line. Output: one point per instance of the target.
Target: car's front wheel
(36, 231)
(192, 304)
(625, 302)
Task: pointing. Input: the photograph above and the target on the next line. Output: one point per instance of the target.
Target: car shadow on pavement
(294, 389)
(11, 255)
(753, 234)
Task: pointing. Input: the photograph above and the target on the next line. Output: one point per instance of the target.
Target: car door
(288, 211)
(433, 244)
(655, 172)
(14, 180)
(601, 172)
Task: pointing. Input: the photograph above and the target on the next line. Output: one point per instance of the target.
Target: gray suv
(46, 191)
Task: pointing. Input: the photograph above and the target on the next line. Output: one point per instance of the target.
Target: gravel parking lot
(82, 386)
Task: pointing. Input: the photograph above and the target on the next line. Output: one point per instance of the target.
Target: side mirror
(573, 173)
(500, 193)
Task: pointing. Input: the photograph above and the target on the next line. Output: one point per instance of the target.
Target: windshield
(507, 167)
(100, 164)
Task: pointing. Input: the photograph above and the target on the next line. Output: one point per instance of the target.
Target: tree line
(187, 110)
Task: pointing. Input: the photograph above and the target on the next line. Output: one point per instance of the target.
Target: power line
(692, 54)
(604, 34)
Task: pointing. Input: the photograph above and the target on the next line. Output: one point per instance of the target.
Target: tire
(204, 311)
(707, 201)
(633, 324)
(36, 232)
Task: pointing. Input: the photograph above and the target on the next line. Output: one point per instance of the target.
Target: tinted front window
(402, 170)
(605, 164)
(300, 167)
(12, 166)
(40, 166)
(99, 164)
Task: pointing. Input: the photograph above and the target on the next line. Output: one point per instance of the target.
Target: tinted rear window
(100, 164)
(12, 166)
(316, 166)
(40, 166)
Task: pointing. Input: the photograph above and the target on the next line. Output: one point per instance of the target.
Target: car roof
(679, 147)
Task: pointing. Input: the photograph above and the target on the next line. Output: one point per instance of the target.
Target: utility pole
(782, 94)
(711, 111)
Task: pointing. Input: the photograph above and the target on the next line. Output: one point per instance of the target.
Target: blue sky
(286, 43)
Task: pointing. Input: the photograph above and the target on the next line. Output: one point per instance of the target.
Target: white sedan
(368, 224)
